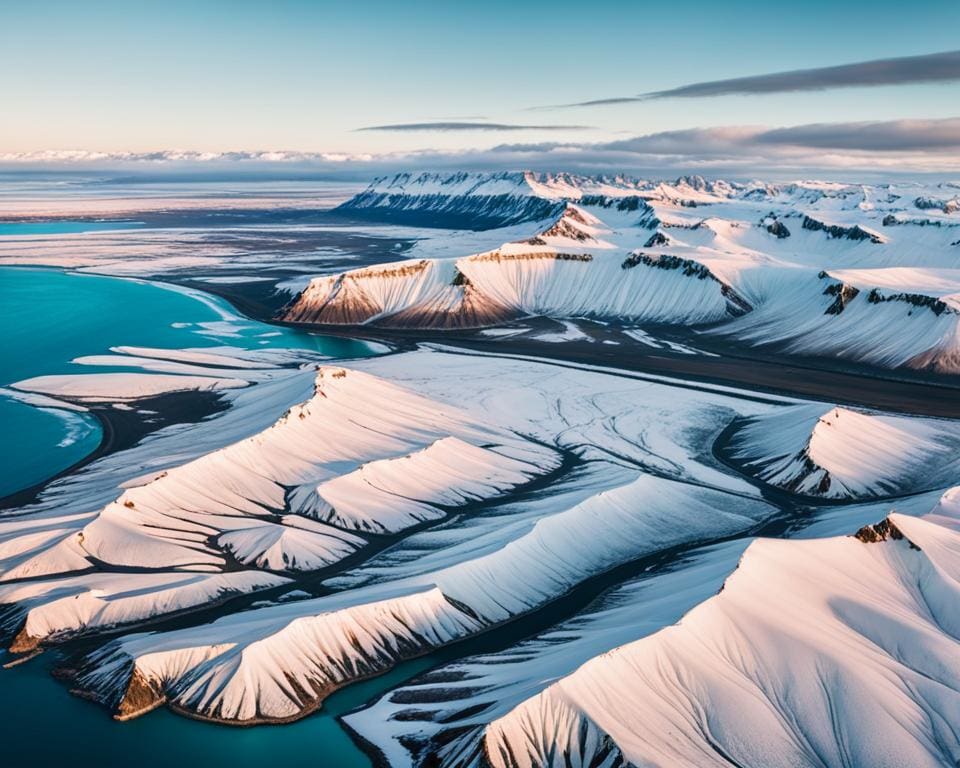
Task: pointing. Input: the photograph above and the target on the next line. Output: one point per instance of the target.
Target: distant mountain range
(866, 273)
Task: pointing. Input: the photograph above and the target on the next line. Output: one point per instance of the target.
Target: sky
(476, 82)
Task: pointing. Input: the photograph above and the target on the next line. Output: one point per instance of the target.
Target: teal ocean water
(45, 725)
(49, 317)
(63, 227)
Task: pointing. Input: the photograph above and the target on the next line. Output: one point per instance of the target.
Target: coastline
(121, 429)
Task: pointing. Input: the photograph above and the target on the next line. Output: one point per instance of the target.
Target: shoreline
(122, 429)
(913, 392)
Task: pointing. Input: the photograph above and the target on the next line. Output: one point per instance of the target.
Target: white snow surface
(378, 448)
(846, 453)
(388, 458)
(443, 714)
(490, 569)
(580, 271)
(56, 608)
(198, 668)
(820, 652)
(114, 387)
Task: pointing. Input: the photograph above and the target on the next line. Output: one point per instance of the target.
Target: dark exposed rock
(628, 203)
(665, 261)
(574, 214)
(856, 232)
(657, 238)
(890, 220)
(650, 220)
(931, 203)
(561, 228)
(139, 697)
(934, 304)
(883, 531)
(450, 211)
(737, 305)
(779, 229)
(844, 294)
(694, 181)
(403, 270)
(498, 256)
(24, 642)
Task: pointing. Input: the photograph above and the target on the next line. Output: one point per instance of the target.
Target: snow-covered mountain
(420, 447)
(866, 273)
(844, 453)
(300, 495)
(570, 267)
(602, 567)
(826, 652)
(482, 200)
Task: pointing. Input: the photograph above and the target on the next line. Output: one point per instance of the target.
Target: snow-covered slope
(234, 499)
(360, 456)
(440, 717)
(284, 662)
(489, 200)
(551, 485)
(462, 200)
(572, 267)
(825, 652)
(853, 271)
(387, 452)
(890, 317)
(843, 453)
(51, 609)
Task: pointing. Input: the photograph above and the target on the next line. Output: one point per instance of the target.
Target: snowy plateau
(556, 483)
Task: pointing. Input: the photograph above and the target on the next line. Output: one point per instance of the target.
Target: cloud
(170, 156)
(890, 136)
(898, 147)
(471, 126)
(838, 150)
(906, 70)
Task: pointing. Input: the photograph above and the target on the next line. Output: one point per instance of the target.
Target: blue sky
(215, 76)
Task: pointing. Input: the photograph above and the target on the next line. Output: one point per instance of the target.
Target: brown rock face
(141, 696)
(23, 642)
(882, 531)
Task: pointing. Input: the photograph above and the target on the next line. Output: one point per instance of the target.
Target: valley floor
(694, 357)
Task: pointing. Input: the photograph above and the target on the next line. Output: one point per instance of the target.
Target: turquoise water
(63, 227)
(49, 317)
(37, 705)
